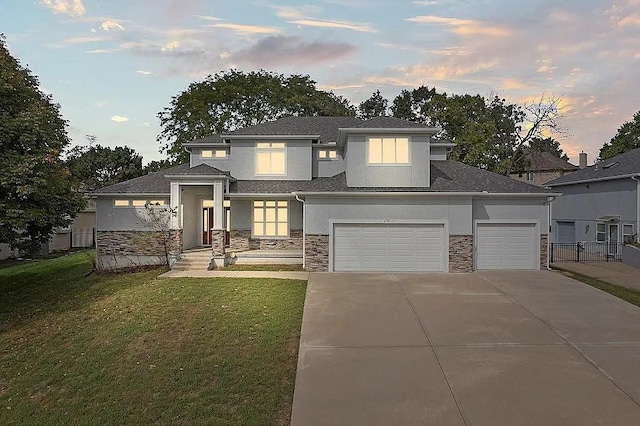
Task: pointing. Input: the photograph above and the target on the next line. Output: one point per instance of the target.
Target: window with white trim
(627, 233)
(270, 218)
(601, 232)
(529, 176)
(271, 158)
(388, 150)
(327, 154)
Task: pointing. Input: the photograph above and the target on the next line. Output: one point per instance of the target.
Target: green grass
(130, 349)
(265, 267)
(628, 294)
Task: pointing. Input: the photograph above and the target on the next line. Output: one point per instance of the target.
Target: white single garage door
(389, 247)
(506, 246)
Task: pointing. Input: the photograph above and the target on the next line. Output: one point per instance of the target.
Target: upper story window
(327, 154)
(388, 150)
(529, 176)
(218, 153)
(271, 158)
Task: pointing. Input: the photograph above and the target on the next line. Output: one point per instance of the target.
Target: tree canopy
(235, 99)
(627, 138)
(549, 145)
(375, 106)
(96, 166)
(36, 194)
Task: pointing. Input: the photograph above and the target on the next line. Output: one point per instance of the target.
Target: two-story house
(348, 194)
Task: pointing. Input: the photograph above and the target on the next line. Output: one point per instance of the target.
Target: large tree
(96, 166)
(235, 99)
(375, 106)
(549, 145)
(627, 138)
(36, 194)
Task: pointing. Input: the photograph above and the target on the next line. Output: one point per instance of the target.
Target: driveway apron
(494, 348)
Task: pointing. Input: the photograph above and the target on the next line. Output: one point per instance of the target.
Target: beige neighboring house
(544, 167)
(79, 234)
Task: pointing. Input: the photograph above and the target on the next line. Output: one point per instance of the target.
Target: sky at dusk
(112, 65)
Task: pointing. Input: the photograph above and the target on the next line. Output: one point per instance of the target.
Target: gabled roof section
(623, 165)
(325, 129)
(160, 182)
(446, 176)
(152, 183)
(199, 170)
(545, 161)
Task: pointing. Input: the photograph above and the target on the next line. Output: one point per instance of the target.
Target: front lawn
(127, 348)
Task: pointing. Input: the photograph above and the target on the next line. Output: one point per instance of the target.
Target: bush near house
(130, 349)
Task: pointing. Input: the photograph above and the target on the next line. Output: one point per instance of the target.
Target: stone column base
(316, 253)
(460, 253)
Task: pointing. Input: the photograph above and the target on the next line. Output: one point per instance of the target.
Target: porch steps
(264, 257)
(193, 260)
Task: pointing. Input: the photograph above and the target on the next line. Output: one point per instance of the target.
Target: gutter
(130, 194)
(637, 179)
(549, 201)
(277, 137)
(429, 194)
(304, 229)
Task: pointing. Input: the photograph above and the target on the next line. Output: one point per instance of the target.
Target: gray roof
(620, 165)
(199, 170)
(446, 176)
(152, 183)
(325, 127)
(388, 123)
(545, 161)
(216, 138)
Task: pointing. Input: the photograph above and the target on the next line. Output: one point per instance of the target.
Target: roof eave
(430, 194)
(130, 194)
(600, 179)
(277, 137)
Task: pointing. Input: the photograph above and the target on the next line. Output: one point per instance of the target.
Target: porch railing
(586, 252)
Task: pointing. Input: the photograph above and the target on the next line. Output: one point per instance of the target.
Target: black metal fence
(586, 252)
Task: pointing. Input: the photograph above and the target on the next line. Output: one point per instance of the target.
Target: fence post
(551, 255)
(578, 252)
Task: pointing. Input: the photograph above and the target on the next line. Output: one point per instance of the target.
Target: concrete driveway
(494, 348)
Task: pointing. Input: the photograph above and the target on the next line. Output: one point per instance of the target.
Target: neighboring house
(348, 194)
(600, 203)
(543, 167)
(80, 233)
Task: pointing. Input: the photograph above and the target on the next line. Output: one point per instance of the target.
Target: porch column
(174, 202)
(217, 233)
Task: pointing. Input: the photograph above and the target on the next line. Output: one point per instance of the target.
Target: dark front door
(207, 224)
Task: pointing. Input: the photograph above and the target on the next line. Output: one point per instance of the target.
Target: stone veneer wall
(460, 253)
(136, 243)
(316, 253)
(241, 240)
(217, 242)
(544, 247)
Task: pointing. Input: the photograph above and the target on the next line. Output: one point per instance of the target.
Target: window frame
(603, 232)
(625, 235)
(264, 207)
(529, 177)
(387, 164)
(271, 149)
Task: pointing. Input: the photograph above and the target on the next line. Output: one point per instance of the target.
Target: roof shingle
(620, 165)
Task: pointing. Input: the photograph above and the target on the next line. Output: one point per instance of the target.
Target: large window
(270, 218)
(601, 232)
(388, 150)
(271, 158)
(627, 233)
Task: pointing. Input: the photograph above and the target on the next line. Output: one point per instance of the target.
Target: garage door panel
(388, 247)
(506, 246)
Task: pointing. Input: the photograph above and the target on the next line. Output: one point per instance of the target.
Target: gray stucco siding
(111, 218)
(196, 158)
(612, 197)
(438, 153)
(327, 167)
(456, 211)
(512, 210)
(361, 174)
(242, 161)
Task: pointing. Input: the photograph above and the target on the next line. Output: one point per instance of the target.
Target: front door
(207, 224)
(613, 239)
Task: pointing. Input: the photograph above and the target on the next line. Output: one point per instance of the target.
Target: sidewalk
(611, 272)
(291, 275)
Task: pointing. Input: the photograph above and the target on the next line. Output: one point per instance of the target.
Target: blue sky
(113, 65)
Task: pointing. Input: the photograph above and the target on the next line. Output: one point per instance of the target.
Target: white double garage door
(400, 247)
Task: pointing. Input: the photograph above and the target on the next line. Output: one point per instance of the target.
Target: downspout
(549, 201)
(637, 207)
(304, 229)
